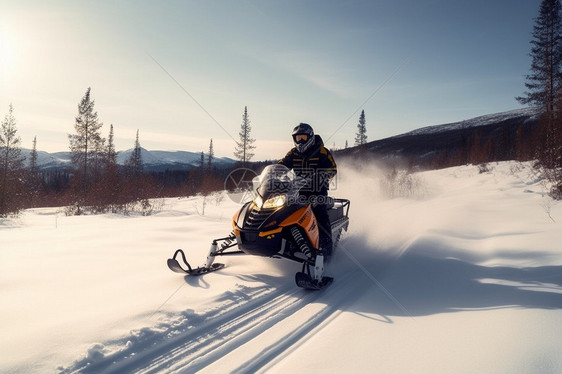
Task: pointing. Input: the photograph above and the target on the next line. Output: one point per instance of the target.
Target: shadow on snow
(425, 282)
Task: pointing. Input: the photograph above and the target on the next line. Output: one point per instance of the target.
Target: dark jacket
(316, 165)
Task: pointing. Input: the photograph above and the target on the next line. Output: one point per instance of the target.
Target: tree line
(95, 182)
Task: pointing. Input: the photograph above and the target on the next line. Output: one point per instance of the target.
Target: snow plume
(387, 224)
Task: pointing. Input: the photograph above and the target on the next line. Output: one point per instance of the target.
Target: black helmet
(303, 137)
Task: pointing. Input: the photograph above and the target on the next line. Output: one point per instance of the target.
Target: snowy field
(462, 273)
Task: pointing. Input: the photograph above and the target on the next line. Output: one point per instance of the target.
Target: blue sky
(181, 72)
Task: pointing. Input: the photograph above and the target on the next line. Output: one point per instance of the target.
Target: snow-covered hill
(49, 160)
(162, 157)
(489, 119)
(462, 273)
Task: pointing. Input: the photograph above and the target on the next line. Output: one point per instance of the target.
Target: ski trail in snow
(194, 342)
(187, 336)
(294, 338)
(233, 328)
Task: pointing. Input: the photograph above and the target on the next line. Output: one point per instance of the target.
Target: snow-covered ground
(462, 275)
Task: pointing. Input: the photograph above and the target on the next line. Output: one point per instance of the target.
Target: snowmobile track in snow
(199, 340)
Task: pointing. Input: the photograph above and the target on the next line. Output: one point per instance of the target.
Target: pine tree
(361, 135)
(202, 160)
(136, 184)
(111, 184)
(544, 86)
(209, 177)
(11, 166)
(245, 146)
(86, 147)
(33, 168)
(33, 178)
(134, 163)
(211, 155)
(110, 153)
(543, 83)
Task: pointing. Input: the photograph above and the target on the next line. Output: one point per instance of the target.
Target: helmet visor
(301, 138)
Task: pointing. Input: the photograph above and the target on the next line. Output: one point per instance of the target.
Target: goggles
(301, 138)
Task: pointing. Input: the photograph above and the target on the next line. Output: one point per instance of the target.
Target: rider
(314, 162)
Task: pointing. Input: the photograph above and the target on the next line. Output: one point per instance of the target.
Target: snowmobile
(276, 223)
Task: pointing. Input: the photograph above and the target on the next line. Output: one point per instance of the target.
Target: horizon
(414, 131)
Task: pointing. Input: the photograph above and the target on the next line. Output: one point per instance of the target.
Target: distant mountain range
(152, 160)
(417, 145)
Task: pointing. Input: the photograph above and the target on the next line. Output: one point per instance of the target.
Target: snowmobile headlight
(274, 202)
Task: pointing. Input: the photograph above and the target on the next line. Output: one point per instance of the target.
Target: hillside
(451, 144)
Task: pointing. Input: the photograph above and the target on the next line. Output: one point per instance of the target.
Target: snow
(461, 274)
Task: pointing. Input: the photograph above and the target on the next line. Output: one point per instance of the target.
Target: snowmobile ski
(305, 281)
(174, 265)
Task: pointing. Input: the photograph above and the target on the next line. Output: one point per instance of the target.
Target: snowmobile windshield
(275, 181)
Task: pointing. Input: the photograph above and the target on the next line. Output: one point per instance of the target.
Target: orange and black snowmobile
(277, 223)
